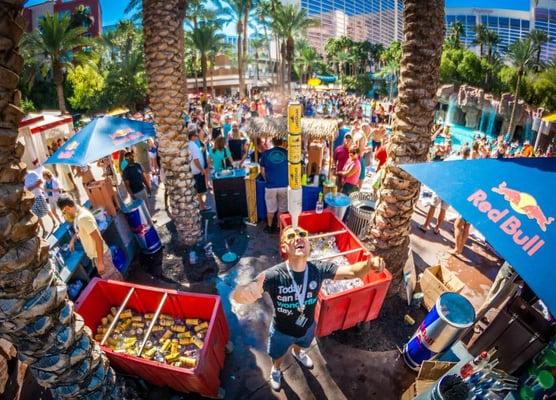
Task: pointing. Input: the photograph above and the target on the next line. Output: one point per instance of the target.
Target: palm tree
(37, 316)
(457, 30)
(238, 11)
(390, 72)
(257, 45)
(81, 17)
(522, 55)
(307, 58)
(539, 38)
(164, 63)
(388, 235)
(55, 42)
(480, 37)
(205, 39)
(491, 41)
(290, 21)
(263, 10)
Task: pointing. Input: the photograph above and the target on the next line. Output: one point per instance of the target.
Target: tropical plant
(481, 32)
(392, 53)
(263, 11)
(538, 38)
(81, 17)
(457, 31)
(238, 12)
(290, 21)
(164, 64)
(461, 66)
(37, 316)
(205, 38)
(258, 44)
(305, 61)
(544, 88)
(56, 44)
(388, 235)
(522, 55)
(88, 85)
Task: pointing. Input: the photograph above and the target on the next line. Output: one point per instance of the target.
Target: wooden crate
(103, 195)
(437, 280)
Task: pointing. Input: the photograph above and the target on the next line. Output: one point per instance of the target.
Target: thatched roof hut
(312, 128)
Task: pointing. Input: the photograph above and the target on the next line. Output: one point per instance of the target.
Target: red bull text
(510, 224)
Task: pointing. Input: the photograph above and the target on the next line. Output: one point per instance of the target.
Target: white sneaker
(303, 358)
(275, 379)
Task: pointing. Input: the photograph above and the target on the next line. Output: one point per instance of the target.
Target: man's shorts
(437, 201)
(200, 184)
(279, 343)
(363, 171)
(276, 199)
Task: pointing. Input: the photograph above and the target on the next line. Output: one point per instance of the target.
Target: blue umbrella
(101, 137)
(512, 203)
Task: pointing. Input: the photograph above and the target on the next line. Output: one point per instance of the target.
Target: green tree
(480, 37)
(290, 21)
(392, 53)
(457, 31)
(544, 88)
(56, 44)
(521, 54)
(539, 38)
(205, 38)
(305, 61)
(81, 17)
(87, 88)
(461, 66)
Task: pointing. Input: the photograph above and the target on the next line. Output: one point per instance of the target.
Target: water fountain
(452, 104)
(488, 119)
(527, 131)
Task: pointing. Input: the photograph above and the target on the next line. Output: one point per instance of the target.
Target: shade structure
(512, 202)
(99, 138)
(118, 111)
(327, 78)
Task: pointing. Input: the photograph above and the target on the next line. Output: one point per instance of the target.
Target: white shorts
(276, 199)
(437, 201)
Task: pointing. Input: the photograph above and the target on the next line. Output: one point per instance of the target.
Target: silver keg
(360, 212)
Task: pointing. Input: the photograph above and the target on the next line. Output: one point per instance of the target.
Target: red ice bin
(100, 295)
(345, 309)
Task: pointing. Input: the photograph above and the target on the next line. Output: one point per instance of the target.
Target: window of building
(524, 25)
(505, 22)
(541, 14)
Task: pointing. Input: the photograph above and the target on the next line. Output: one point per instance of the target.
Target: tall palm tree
(491, 42)
(539, 38)
(522, 55)
(37, 316)
(263, 12)
(307, 58)
(457, 31)
(388, 235)
(236, 10)
(205, 38)
(55, 42)
(81, 17)
(257, 45)
(480, 37)
(290, 21)
(164, 63)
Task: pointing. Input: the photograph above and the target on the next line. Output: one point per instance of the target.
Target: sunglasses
(300, 233)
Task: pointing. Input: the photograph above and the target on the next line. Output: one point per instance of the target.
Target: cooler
(100, 295)
(348, 308)
(140, 223)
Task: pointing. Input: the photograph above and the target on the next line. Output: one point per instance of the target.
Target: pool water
(460, 136)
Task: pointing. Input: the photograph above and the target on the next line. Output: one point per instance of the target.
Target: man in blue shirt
(274, 169)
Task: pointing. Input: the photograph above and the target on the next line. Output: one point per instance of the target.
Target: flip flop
(436, 231)
(423, 229)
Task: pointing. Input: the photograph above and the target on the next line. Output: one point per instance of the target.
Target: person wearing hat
(293, 287)
(527, 150)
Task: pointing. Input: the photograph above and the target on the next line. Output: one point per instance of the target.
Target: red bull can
(141, 225)
(451, 314)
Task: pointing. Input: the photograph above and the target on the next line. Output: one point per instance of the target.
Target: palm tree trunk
(37, 316)
(204, 72)
(58, 78)
(388, 235)
(163, 29)
(213, 90)
(240, 59)
(245, 37)
(511, 127)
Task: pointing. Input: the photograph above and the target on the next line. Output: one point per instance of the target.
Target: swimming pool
(460, 135)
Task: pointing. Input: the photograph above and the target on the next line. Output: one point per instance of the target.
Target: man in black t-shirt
(294, 286)
(135, 181)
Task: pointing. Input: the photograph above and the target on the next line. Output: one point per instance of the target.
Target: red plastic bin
(345, 309)
(96, 300)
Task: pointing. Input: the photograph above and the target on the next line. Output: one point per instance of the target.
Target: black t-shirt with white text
(279, 286)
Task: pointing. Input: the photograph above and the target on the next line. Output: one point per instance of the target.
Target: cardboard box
(437, 280)
(410, 393)
(429, 373)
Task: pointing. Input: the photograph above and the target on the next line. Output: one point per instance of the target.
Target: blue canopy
(101, 137)
(512, 202)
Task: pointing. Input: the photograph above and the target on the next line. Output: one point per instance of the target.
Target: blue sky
(113, 10)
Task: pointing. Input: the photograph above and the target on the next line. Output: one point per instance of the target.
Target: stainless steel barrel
(360, 212)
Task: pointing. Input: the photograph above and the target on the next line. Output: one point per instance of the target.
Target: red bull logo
(122, 136)
(520, 202)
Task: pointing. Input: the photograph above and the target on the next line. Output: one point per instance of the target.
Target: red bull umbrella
(100, 138)
(512, 202)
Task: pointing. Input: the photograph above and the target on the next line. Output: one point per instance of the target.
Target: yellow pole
(294, 161)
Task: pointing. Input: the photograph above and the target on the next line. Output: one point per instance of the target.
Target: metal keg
(360, 212)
